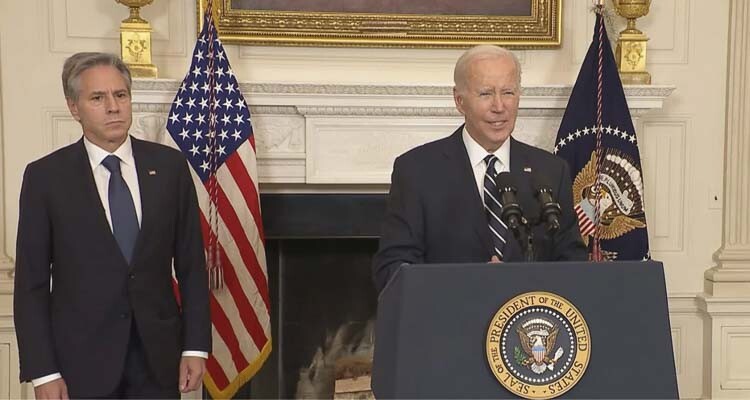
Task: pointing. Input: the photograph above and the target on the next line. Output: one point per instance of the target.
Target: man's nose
(112, 105)
(497, 104)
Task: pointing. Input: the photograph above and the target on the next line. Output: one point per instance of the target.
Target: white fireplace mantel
(345, 137)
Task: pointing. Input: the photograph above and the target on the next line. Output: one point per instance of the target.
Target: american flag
(210, 122)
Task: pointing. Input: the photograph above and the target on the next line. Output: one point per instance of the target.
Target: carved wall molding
(379, 111)
(302, 127)
(636, 93)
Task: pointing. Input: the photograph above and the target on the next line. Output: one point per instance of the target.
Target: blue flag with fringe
(598, 140)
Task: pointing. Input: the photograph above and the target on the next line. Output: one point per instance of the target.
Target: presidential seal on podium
(538, 345)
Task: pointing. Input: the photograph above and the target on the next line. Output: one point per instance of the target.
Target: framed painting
(518, 24)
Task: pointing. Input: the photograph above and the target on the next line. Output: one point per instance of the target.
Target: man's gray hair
(79, 62)
(480, 52)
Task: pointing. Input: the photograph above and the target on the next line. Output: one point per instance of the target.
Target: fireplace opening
(319, 250)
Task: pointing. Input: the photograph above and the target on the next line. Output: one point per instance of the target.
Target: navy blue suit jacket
(81, 327)
(436, 215)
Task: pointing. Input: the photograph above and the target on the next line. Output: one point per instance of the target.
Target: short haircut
(480, 52)
(79, 62)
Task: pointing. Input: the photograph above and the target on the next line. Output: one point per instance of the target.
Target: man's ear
(459, 100)
(73, 107)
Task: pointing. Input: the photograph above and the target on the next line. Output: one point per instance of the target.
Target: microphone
(550, 209)
(512, 214)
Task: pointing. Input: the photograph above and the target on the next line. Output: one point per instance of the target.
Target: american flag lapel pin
(152, 172)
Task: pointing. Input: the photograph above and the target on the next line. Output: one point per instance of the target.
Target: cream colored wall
(681, 145)
(687, 135)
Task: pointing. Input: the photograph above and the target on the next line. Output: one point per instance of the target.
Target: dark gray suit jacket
(436, 215)
(81, 327)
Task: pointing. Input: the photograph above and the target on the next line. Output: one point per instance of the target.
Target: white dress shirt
(102, 174)
(101, 178)
(477, 153)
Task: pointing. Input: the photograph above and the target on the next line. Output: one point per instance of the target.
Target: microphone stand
(530, 256)
(525, 238)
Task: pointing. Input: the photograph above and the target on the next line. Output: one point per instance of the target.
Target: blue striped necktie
(498, 229)
(121, 208)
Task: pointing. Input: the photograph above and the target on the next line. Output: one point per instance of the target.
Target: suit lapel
(92, 201)
(86, 182)
(521, 165)
(456, 152)
(518, 158)
(149, 193)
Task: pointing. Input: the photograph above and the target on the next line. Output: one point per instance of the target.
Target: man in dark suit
(102, 223)
(440, 207)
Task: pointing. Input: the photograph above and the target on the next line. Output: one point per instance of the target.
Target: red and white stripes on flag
(240, 310)
(210, 123)
(585, 223)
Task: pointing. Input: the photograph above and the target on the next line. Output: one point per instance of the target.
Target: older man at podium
(444, 204)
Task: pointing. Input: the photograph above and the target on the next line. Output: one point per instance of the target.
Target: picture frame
(515, 24)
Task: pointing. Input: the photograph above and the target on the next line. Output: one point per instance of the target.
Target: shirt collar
(97, 154)
(477, 153)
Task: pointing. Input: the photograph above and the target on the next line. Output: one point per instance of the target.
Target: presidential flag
(598, 140)
(210, 122)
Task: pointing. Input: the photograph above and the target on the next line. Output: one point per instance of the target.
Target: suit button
(132, 275)
(124, 315)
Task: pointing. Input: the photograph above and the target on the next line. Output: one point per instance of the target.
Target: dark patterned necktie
(498, 229)
(121, 208)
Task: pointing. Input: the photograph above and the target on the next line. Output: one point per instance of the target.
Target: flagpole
(216, 279)
(596, 251)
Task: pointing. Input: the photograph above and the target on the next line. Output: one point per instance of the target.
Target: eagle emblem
(538, 337)
(538, 345)
(620, 197)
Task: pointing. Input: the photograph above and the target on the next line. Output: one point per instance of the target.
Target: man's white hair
(482, 51)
